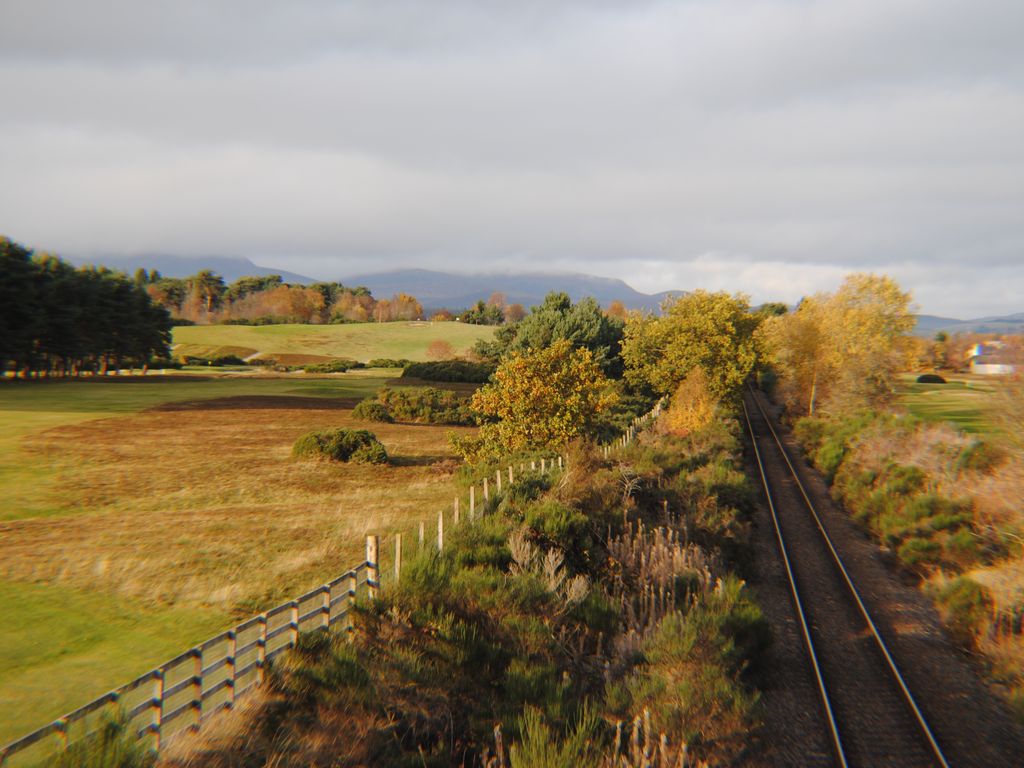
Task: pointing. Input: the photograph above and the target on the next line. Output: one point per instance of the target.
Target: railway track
(869, 711)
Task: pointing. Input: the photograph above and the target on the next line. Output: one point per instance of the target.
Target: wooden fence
(185, 691)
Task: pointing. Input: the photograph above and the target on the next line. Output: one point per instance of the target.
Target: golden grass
(201, 504)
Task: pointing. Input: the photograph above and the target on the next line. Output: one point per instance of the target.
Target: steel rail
(837, 741)
(890, 662)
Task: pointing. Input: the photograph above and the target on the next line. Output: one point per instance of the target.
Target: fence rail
(182, 693)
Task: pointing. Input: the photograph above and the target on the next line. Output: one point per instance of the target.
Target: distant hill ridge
(435, 290)
(454, 291)
(457, 291)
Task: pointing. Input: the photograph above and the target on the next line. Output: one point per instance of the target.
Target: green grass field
(962, 400)
(358, 341)
(144, 514)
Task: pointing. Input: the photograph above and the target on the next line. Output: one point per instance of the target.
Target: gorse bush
(371, 410)
(930, 378)
(112, 745)
(388, 362)
(907, 506)
(212, 361)
(356, 445)
(339, 365)
(533, 616)
(419, 405)
(450, 370)
(966, 605)
(425, 405)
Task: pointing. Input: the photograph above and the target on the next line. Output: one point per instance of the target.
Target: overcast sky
(763, 146)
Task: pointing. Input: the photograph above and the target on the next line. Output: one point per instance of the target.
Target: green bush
(930, 378)
(966, 604)
(111, 746)
(338, 365)
(980, 456)
(165, 362)
(212, 361)
(371, 410)
(425, 405)
(356, 445)
(388, 362)
(450, 370)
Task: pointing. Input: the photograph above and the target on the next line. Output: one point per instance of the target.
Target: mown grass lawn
(358, 341)
(143, 515)
(962, 400)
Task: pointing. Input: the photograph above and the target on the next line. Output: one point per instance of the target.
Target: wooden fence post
(372, 566)
(158, 715)
(197, 686)
(543, 465)
(353, 585)
(487, 493)
(510, 479)
(422, 533)
(559, 462)
(455, 511)
(497, 483)
(440, 531)
(295, 623)
(261, 649)
(398, 556)
(472, 502)
(533, 464)
(232, 649)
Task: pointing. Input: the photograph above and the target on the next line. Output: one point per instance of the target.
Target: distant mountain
(230, 268)
(929, 325)
(437, 290)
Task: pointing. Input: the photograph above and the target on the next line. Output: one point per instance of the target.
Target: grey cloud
(656, 141)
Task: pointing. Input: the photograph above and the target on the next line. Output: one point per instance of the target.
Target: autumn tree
(538, 399)
(514, 313)
(439, 349)
(842, 349)
(712, 331)
(617, 310)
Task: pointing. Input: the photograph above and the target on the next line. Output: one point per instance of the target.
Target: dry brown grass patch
(206, 506)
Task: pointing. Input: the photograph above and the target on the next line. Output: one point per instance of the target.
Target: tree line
(206, 298)
(58, 320)
(600, 367)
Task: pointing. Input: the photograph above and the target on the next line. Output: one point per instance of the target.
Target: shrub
(370, 410)
(212, 361)
(112, 746)
(965, 604)
(356, 445)
(339, 365)
(388, 362)
(165, 362)
(450, 370)
(930, 378)
(425, 405)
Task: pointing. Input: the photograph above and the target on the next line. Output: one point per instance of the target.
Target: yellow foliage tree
(843, 348)
(693, 406)
(538, 399)
(712, 331)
